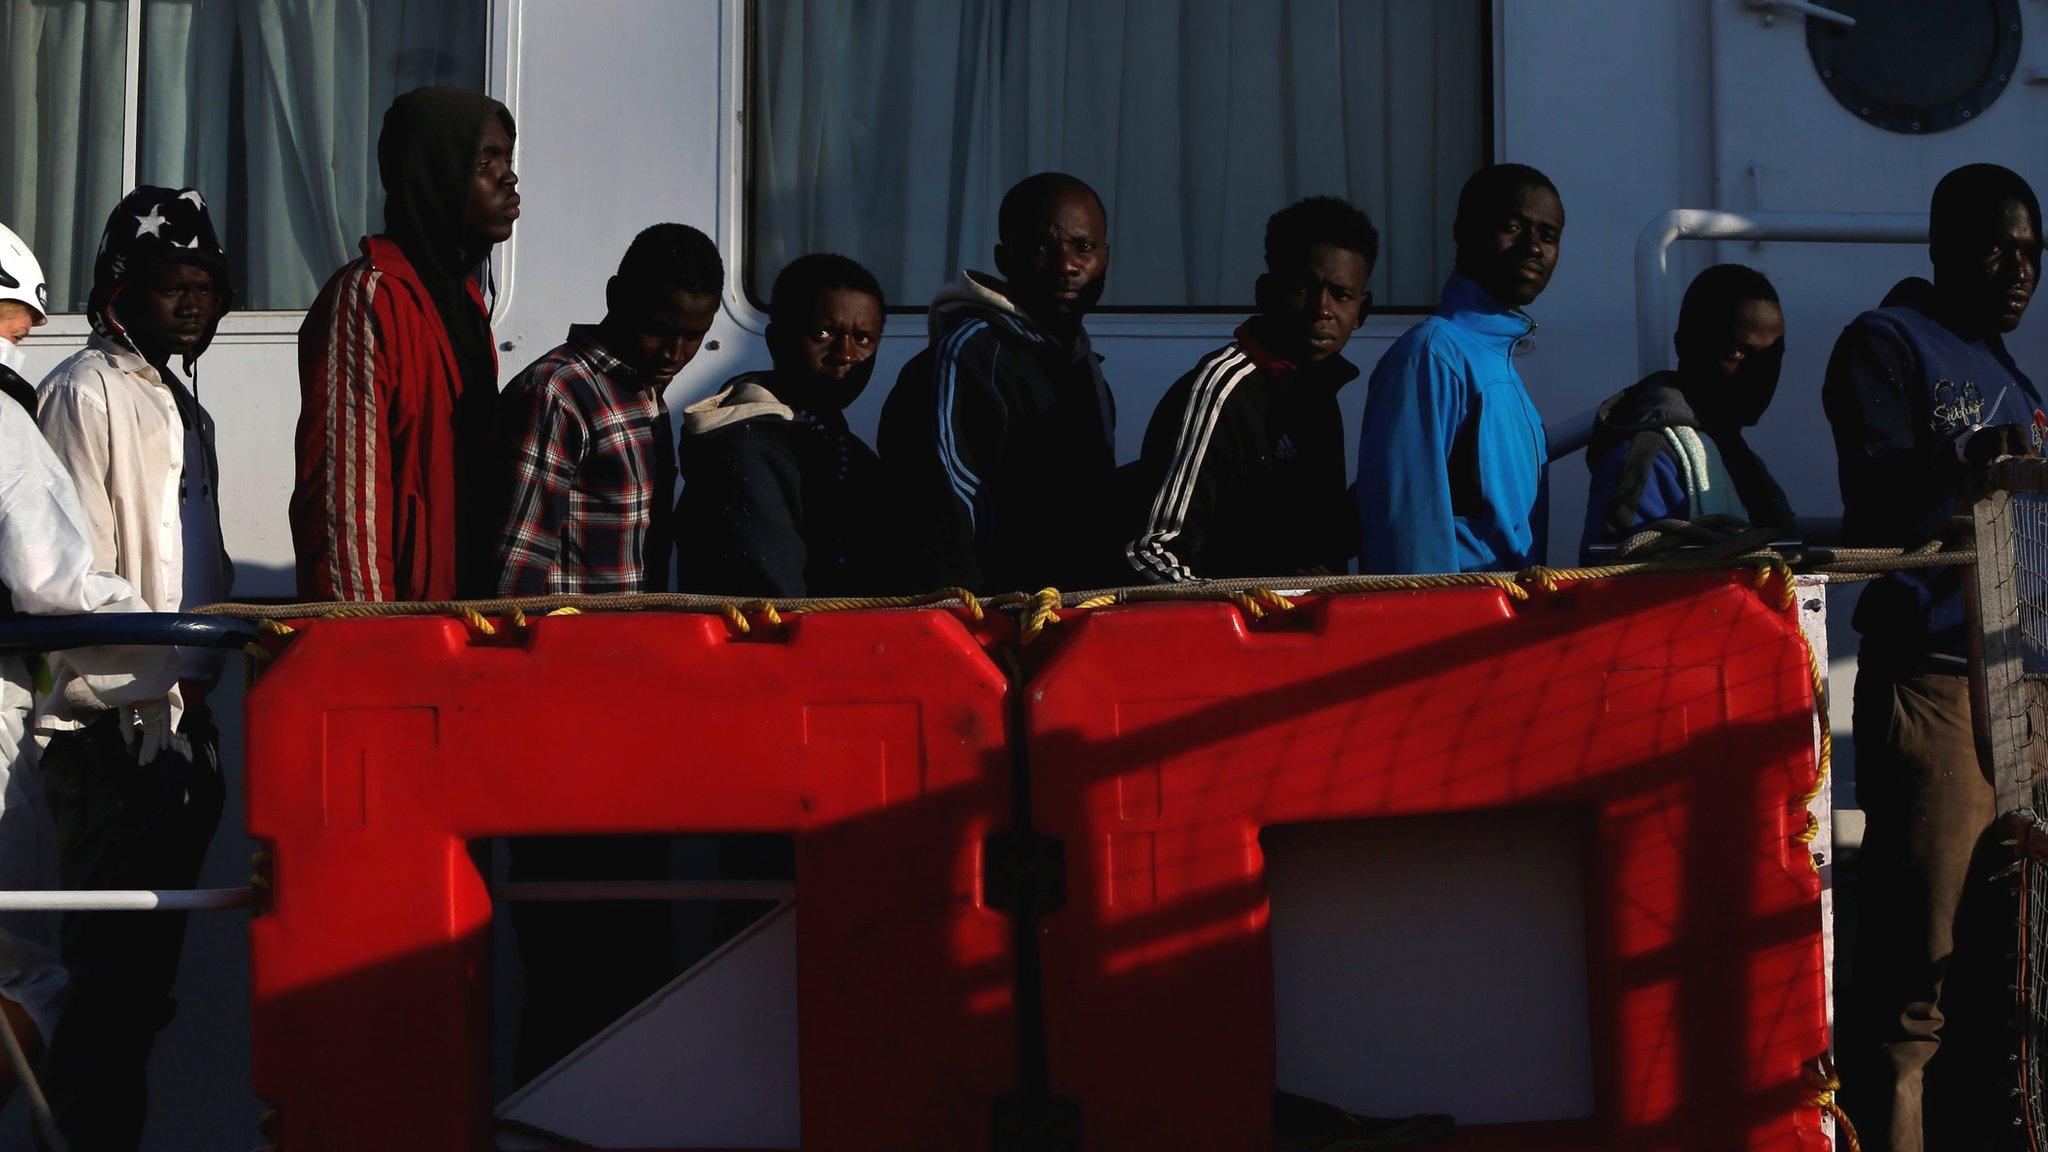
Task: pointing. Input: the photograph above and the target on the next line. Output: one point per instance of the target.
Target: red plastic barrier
(378, 748)
(1674, 711)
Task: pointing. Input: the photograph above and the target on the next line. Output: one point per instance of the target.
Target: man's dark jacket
(777, 502)
(1242, 472)
(1653, 458)
(999, 441)
(1901, 389)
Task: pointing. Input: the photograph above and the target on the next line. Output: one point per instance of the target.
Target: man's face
(1755, 333)
(1513, 252)
(169, 309)
(493, 201)
(15, 323)
(663, 332)
(1055, 270)
(1740, 364)
(833, 350)
(1311, 308)
(1991, 276)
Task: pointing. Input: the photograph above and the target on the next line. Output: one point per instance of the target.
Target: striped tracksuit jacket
(374, 508)
(1242, 472)
(999, 444)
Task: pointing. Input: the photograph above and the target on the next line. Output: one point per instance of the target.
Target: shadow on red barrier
(1674, 712)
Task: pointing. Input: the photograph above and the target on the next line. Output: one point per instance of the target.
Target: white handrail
(1653, 290)
(129, 900)
(209, 899)
(1653, 247)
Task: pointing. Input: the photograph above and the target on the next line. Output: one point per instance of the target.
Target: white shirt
(114, 425)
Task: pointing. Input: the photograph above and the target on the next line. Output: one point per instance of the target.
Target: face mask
(1750, 390)
(1738, 401)
(12, 356)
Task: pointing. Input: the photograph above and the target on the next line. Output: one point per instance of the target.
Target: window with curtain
(888, 130)
(269, 107)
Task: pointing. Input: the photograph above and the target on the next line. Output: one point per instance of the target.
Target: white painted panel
(710, 1061)
(1433, 965)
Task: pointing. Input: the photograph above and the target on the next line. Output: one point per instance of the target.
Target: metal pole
(1653, 248)
(115, 900)
(210, 899)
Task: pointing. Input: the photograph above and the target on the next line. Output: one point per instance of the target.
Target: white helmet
(21, 276)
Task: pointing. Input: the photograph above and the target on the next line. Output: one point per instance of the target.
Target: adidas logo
(1284, 450)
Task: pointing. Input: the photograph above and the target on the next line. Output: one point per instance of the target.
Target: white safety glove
(148, 732)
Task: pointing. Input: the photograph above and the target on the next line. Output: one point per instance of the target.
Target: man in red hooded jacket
(398, 374)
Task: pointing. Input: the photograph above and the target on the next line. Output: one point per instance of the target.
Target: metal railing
(1653, 268)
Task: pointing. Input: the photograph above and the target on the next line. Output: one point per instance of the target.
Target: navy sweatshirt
(1000, 444)
(1901, 389)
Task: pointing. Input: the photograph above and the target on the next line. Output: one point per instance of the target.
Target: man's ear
(1364, 308)
(1262, 291)
(1002, 256)
(611, 297)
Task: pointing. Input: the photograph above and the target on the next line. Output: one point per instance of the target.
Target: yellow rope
(1821, 1078)
(1040, 613)
(1271, 599)
(1806, 835)
(1826, 1085)
(476, 620)
(1036, 611)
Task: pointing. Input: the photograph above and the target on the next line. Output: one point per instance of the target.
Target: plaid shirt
(591, 472)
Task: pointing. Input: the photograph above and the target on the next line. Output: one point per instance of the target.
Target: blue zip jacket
(1900, 389)
(1452, 468)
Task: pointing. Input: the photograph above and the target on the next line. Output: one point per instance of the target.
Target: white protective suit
(46, 567)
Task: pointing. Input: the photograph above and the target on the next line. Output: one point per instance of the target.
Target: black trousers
(121, 825)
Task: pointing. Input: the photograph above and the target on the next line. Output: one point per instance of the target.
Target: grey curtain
(889, 129)
(269, 107)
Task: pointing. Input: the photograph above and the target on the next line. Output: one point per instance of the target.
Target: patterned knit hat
(149, 227)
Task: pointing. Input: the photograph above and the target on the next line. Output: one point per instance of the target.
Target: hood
(743, 398)
(1914, 292)
(426, 155)
(152, 226)
(979, 296)
(1652, 403)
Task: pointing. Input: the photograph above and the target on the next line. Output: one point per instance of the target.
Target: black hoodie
(426, 155)
(778, 501)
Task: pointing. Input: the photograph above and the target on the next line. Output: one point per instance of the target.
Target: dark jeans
(586, 963)
(1923, 1042)
(120, 825)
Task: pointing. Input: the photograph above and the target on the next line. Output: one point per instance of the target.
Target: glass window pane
(61, 107)
(271, 109)
(889, 129)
